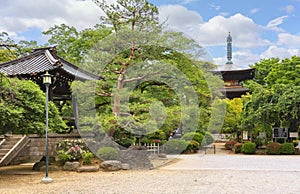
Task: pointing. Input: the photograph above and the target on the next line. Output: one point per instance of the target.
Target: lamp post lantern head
(47, 78)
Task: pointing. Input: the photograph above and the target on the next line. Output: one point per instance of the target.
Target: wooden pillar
(75, 110)
(50, 96)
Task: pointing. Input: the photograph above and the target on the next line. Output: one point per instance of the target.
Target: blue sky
(260, 28)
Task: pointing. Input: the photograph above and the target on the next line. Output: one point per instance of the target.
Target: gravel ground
(157, 181)
(188, 174)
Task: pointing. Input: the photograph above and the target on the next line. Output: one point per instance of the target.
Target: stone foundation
(36, 148)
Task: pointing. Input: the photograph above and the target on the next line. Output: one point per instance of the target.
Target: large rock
(162, 155)
(137, 157)
(51, 159)
(88, 169)
(105, 141)
(125, 166)
(71, 166)
(38, 165)
(41, 165)
(111, 165)
(51, 167)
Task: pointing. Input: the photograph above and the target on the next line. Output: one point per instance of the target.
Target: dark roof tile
(42, 60)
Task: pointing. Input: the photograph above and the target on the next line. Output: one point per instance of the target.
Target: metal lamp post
(47, 81)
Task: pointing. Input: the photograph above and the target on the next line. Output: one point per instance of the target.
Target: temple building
(42, 60)
(233, 75)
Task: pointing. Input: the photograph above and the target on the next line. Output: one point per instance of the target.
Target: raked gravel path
(190, 174)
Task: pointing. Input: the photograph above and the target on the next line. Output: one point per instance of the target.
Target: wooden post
(214, 149)
(75, 110)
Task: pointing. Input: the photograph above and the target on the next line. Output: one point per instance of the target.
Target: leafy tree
(152, 79)
(232, 122)
(262, 70)
(10, 50)
(72, 44)
(137, 14)
(22, 108)
(275, 96)
(7, 48)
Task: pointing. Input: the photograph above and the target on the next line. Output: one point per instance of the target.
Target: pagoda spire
(229, 49)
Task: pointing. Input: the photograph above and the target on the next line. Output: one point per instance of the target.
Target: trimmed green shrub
(193, 147)
(158, 136)
(108, 153)
(259, 142)
(175, 146)
(22, 108)
(287, 148)
(229, 145)
(248, 148)
(193, 136)
(273, 148)
(237, 148)
(295, 143)
(63, 156)
(87, 157)
(123, 137)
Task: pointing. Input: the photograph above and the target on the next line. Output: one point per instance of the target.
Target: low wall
(36, 148)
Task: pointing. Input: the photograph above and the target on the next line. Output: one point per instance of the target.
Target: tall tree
(10, 50)
(7, 48)
(275, 95)
(145, 68)
(72, 44)
(138, 15)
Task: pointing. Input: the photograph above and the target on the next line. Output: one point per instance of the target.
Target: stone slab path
(236, 162)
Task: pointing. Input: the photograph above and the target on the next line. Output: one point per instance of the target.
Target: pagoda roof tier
(229, 67)
(235, 74)
(233, 92)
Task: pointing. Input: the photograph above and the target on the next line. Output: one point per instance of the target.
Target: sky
(259, 29)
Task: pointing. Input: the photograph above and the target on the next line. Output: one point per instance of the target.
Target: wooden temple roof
(42, 60)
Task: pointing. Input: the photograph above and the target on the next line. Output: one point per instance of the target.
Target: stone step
(4, 151)
(14, 140)
(7, 146)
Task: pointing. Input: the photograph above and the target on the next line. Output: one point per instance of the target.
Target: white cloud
(179, 18)
(213, 32)
(273, 24)
(293, 41)
(279, 52)
(184, 2)
(244, 31)
(19, 15)
(255, 10)
(224, 14)
(241, 58)
(214, 6)
(289, 9)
